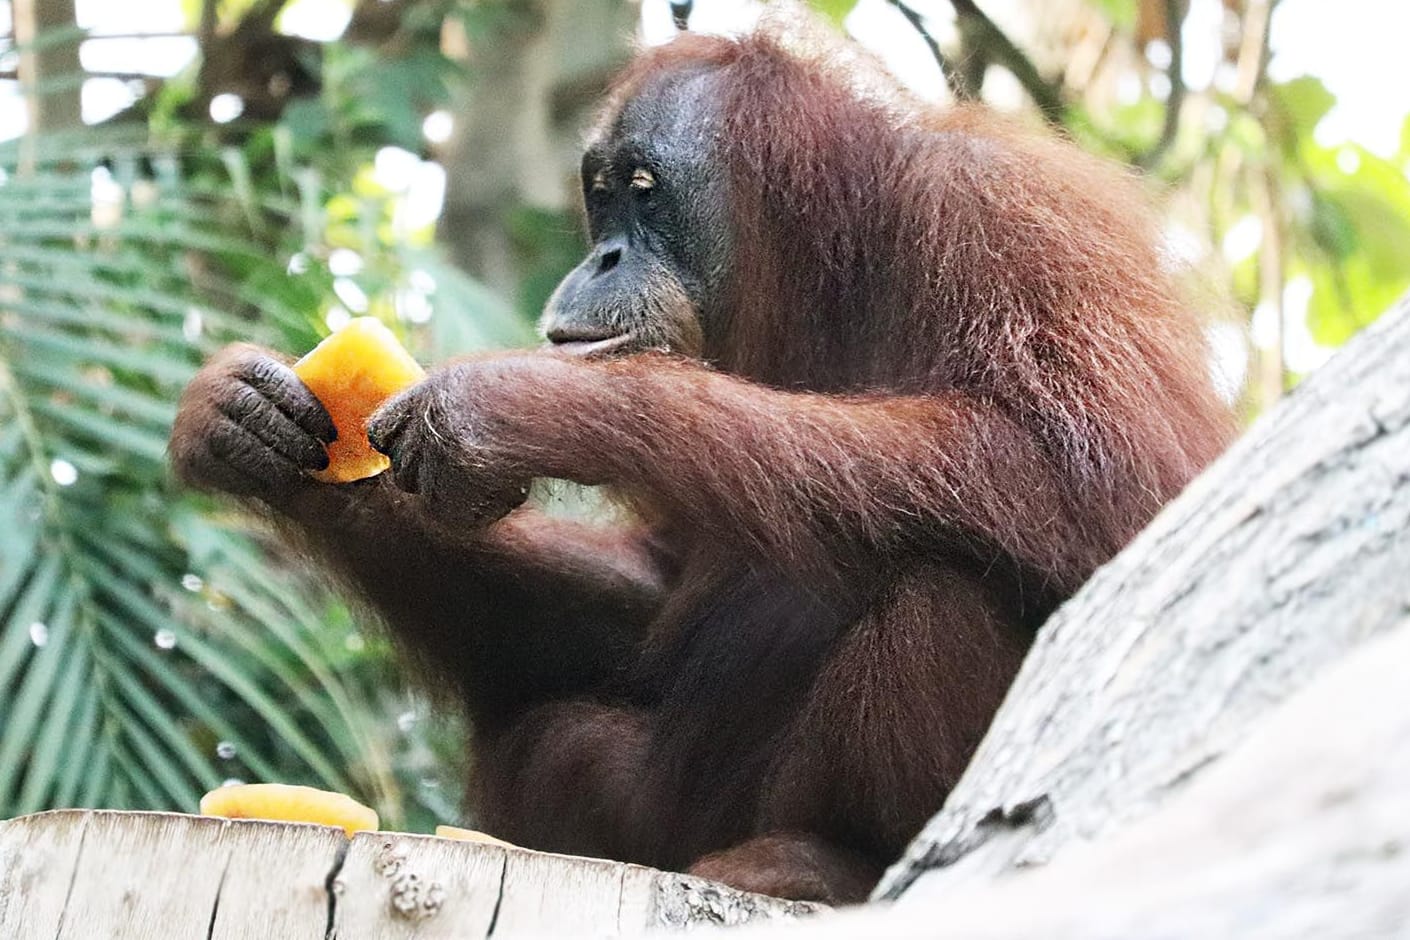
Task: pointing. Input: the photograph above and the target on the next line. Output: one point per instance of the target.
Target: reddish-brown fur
(954, 380)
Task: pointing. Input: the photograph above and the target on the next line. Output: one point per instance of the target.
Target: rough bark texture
(77, 873)
(1291, 550)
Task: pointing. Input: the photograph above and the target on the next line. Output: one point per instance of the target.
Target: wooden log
(124, 876)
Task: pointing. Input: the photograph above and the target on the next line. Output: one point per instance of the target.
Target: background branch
(975, 24)
(210, 19)
(1175, 100)
(11, 75)
(954, 80)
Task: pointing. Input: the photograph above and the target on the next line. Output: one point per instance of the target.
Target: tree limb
(210, 19)
(11, 75)
(48, 37)
(262, 15)
(1253, 49)
(1045, 94)
(680, 14)
(954, 79)
(1174, 103)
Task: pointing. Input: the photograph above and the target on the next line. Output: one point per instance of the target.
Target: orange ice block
(352, 373)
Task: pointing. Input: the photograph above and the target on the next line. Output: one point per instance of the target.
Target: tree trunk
(518, 135)
(49, 72)
(1302, 831)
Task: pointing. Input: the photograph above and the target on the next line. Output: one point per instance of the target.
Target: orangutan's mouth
(589, 345)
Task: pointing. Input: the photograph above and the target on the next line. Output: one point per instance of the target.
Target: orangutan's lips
(597, 346)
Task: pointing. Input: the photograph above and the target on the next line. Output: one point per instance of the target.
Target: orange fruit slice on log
(281, 801)
(469, 835)
(352, 373)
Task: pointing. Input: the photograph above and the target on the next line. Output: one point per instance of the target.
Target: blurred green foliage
(149, 650)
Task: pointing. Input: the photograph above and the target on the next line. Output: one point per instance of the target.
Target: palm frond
(148, 652)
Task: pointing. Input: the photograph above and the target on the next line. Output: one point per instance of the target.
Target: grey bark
(1301, 832)
(74, 874)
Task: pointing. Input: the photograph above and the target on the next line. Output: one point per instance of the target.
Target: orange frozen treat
(469, 835)
(291, 804)
(352, 372)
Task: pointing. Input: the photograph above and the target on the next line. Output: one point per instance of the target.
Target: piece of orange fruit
(352, 373)
(290, 803)
(469, 835)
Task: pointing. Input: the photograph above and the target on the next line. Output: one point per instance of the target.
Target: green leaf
(106, 310)
(1298, 106)
(33, 606)
(79, 739)
(1356, 230)
(25, 707)
(1120, 12)
(94, 345)
(57, 741)
(306, 122)
(834, 10)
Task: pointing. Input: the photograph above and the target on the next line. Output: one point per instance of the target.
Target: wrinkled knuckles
(262, 370)
(385, 427)
(262, 420)
(277, 383)
(242, 404)
(238, 448)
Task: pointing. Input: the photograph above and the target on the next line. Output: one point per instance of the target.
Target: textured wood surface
(152, 876)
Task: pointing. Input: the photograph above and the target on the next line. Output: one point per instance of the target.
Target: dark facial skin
(655, 199)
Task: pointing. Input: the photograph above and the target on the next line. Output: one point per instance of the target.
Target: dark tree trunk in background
(51, 67)
(518, 132)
